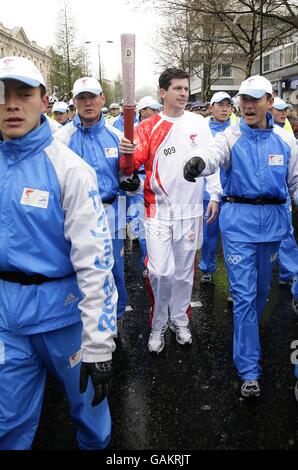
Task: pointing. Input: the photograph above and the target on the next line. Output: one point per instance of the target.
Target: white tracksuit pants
(171, 250)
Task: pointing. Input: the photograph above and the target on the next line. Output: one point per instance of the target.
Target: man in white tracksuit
(173, 208)
(261, 166)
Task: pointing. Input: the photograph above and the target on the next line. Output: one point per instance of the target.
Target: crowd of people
(200, 172)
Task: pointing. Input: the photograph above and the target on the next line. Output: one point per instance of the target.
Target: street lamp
(98, 53)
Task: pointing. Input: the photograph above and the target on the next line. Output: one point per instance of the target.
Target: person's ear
(45, 102)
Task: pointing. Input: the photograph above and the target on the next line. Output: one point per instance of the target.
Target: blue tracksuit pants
(210, 244)
(288, 252)
(249, 267)
(23, 365)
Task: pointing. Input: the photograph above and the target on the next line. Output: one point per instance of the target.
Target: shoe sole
(184, 344)
(155, 352)
(250, 395)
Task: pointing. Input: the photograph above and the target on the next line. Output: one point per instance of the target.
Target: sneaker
(230, 298)
(250, 388)
(288, 283)
(206, 278)
(296, 390)
(156, 341)
(145, 273)
(295, 306)
(183, 334)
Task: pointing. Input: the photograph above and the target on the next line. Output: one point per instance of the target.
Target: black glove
(131, 184)
(193, 168)
(101, 377)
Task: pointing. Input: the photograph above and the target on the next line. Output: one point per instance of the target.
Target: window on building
(276, 60)
(295, 52)
(225, 71)
(256, 67)
(288, 55)
(266, 63)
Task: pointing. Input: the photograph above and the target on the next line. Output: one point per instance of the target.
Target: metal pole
(261, 38)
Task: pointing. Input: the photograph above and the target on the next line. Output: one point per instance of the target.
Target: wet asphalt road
(188, 398)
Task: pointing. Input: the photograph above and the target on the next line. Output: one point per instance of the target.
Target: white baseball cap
(148, 102)
(88, 84)
(60, 107)
(280, 104)
(114, 106)
(220, 96)
(19, 68)
(255, 86)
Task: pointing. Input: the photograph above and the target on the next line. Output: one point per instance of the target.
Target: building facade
(226, 78)
(14, 42)
(280, 66)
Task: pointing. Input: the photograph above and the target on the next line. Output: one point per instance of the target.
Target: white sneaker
(183, 334)
(206, 278)
(296, 390)
(230, 298)
(156, 341)
(250, 388)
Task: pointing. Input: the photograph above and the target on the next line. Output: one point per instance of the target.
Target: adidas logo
(70, 299)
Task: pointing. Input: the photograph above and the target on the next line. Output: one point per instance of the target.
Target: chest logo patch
(111, 152)
(276, 160)
(35, 198)
(193, 139)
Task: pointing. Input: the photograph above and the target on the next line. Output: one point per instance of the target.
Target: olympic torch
(128, 80)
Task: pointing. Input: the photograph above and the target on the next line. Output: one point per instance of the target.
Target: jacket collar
(99, 125)
(29, 144)
(251, 131)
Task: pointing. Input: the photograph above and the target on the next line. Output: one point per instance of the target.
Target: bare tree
(282, 11)
(69, 63)
(237, 25)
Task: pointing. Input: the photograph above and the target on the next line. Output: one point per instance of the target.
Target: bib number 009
(169, 151)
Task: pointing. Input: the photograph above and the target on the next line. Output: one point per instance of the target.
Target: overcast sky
(97, 20)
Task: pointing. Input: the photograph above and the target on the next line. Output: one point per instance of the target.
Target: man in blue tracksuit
(221, 109)
(261, 162)
(57, 292)
(118, 123)
(97, 142)
(60, 112)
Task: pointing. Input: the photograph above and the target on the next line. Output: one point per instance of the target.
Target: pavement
(187, 398)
